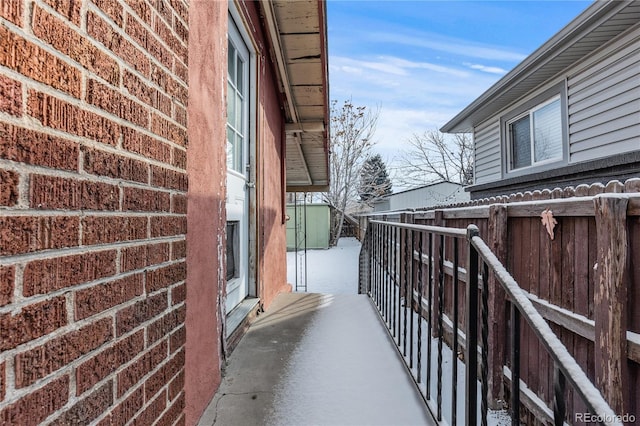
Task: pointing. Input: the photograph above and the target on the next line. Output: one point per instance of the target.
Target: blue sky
(423, 61)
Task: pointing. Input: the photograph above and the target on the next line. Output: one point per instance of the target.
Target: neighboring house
(568, 114)
(436, 194)
(116, 300)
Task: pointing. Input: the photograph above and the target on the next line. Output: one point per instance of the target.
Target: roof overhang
(298, 36)
(593, 28)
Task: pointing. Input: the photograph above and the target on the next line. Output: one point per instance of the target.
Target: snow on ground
(332, 271)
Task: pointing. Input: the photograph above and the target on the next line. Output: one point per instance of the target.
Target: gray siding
(604, 101)
(486, 137)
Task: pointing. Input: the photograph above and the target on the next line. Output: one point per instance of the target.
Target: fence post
(610, 310)
(471, 355)
(498, 241)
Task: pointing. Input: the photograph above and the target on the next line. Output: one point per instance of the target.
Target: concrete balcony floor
(316, 359)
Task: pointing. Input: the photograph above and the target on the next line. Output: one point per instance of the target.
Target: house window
(237, 99)
(535, 137)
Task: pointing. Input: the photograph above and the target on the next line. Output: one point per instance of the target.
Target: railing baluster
(440, 325)
(393, 282)
(454, 349)
(386, 276)
(429, 314)
(419, 363)
(412, 286)
(485, 344)
(559, 405)
(515, 365)
(471, 358)
(408, 298)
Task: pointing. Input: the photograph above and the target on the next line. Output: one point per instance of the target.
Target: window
(535, 137)
(237, 99)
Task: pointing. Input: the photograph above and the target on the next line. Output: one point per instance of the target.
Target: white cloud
(454, 46)
(484, 68)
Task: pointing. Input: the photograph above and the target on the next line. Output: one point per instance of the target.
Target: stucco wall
(206, 214)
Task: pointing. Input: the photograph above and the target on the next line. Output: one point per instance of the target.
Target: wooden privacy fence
(579, 267)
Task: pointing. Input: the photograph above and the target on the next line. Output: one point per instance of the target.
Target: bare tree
(434, 156)
(352, 128)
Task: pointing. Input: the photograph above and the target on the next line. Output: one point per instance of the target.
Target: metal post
(471, 356)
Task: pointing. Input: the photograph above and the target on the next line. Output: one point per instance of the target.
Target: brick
(181, 29)
(139, 257)
(137, 31)
(10, 96)
(180, 116)
(182, 72)
(114, 102)
(46, 275)
(181, 9)
(176, 386)
(165, 226)
(164, 375)
(28, 234)
(70, 9)
(65, 39)
(39, 149)
(168, 130)
(133, 316)
(165, 276)
(58, 114)
(179, 204)
(167, 178)
(163, 327)
(141, 9)
(164, 32)
(163, 8)
(178, 249)
(33, 321)
(9, 181)
(150, 414)
(37, 405)
(99, 298)
(88, 408)
(173, 413)
(150, 147)
(178, 90)
(12, 10)
(116, 166)
(147, 94)
(177, 339)
(2, 381)
(109, 360)
(112, 9)
(146, 200)
(34, 62)
(132, 374)
(7, 284)
(178, 294)
(104, 33)
(53, 192)
(123, 412)
(58, 352)
(160, 77)
(111, 229)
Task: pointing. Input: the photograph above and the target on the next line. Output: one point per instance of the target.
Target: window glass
(521, 142)
(547, 130)
(236, 104)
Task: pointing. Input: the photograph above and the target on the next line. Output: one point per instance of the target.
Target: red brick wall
(93, 137)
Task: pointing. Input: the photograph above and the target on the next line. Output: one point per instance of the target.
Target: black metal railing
(405, 268)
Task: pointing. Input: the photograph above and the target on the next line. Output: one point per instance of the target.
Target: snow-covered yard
(332, 271)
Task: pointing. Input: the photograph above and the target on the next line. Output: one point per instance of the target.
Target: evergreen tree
(374, 180)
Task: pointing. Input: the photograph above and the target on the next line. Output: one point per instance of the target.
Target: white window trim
(557, 92)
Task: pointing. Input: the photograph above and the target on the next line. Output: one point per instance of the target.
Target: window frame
(557, 92)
